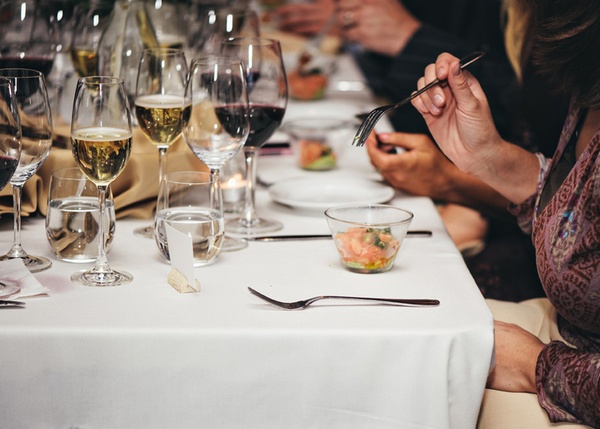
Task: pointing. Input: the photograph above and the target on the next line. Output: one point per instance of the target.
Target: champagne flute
(267, 95)
(101, 137)
(218, 124)
(10, 151)
(159, 106)
(36, 141)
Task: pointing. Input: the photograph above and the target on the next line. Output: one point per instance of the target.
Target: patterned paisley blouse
(566, 235)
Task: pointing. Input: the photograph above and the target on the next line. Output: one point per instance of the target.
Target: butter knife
(413, 233)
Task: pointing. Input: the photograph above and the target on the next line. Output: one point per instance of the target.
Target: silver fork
(299, 305)
(375, 115)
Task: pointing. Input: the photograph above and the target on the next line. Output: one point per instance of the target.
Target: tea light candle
(233, 189)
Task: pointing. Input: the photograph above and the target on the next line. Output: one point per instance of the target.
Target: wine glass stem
(16, 250)
(162, 162)
(249, 216)
(101, 263)
(216, 197)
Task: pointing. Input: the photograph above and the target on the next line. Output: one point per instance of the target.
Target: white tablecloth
(145, 356)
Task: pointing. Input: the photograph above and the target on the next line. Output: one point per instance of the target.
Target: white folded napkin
(14, 270)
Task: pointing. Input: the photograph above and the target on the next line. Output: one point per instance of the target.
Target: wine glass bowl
(28, 38)
(36, 140)
(101, 144)
(267, 96)
(159, 104)
(90, 22)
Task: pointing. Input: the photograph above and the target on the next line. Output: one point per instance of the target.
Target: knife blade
(10, 303)
(414, 233)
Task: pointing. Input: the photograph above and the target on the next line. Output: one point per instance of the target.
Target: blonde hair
(517, 19)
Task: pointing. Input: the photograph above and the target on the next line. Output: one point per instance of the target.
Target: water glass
(72, 220)
(184, 203)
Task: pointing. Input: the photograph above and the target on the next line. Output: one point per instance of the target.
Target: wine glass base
(34, 264)
(256, 227)
(101, 278)
(145, 231)
(231, 244)
(8, 288)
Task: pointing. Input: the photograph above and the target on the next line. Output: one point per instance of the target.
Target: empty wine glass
(36, 141)
(10, 151)
(218, 124)
(267, 95)
(223, 23)
(159, 106)
(101, 138)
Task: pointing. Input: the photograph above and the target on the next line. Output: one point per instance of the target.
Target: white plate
(320, 193)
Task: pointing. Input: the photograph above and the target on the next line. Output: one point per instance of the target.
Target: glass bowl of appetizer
(368, 237)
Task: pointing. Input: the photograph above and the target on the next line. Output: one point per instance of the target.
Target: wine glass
(90, 22)
(159, 104)
(218, 123)
(223, 23)
(28, 38)
(10, 151)
(101, 137)
(36, 141)
(267, 95)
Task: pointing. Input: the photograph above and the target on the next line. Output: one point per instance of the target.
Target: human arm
(460, 120)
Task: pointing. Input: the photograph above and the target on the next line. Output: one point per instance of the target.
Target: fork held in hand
(299, 305)
(375, 115)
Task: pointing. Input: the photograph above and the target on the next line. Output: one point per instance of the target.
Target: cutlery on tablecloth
(299, 305)
(4, 303)
(413, 233)
(373, 117)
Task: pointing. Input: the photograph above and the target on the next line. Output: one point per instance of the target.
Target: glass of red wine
(28, 38)
(36, 140)
(10, 152)
(267, 96)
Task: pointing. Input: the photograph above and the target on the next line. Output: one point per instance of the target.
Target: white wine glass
(36, 141)
(90, 21)
(159, 106)
(10, 151)
(218, 124)
(267, 95)
(101, 142)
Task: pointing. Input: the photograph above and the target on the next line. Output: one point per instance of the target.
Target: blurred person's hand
(382, 26)
(305, 18)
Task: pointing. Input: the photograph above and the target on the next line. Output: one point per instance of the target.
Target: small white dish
(320, 193)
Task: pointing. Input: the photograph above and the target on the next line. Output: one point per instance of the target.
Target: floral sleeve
(568, 384)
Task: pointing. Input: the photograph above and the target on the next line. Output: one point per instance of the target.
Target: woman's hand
(458, 115)
(516, 357)
(420, 169)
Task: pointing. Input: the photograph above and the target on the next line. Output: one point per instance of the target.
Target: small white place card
(181, 254)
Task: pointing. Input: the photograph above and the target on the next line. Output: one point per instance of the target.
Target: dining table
(144, 355)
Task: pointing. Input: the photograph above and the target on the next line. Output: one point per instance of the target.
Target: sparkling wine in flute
(101, 153)
(161, 117)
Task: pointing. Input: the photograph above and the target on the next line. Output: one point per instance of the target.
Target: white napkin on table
(14, 270)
